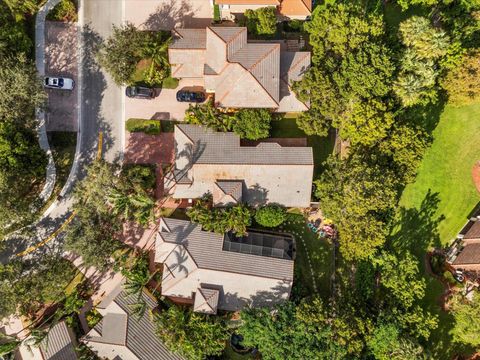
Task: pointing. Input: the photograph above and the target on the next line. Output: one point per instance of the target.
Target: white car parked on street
(59, 83)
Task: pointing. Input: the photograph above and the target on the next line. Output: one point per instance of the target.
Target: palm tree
(156, 49)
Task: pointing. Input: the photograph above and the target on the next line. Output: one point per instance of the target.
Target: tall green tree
(262, 21)
(425, 46)
(387, 343)
(462, 83)
(351, 78)
(303, 331)
(121, 52)
(191, 335)
(466, 330)
(21, 90)
(252, 124)
(358, 193)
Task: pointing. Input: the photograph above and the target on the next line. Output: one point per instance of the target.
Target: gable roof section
(58, 344)
(206, 249)
(231, 188)
(212, 147)
(189, 39)
(470, 254)
(296, 7)
(206, 301)
(474, 231)
(139, 333)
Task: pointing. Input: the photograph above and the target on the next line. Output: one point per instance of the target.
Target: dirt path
(476, 175)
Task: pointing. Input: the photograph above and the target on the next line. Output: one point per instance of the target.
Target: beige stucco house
(220, 271)
(122, 335)
(216, 163)
(240, 74)
(289, 9)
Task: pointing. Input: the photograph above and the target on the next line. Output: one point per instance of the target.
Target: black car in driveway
(140, 92)
(191, 96)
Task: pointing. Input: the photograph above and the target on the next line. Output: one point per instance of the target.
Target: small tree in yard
(262, 21)
(271, 215)
(192, 335)
(221, 220)
(155, 48)
(252, 124)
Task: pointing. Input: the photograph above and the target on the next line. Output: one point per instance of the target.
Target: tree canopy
(192, 335)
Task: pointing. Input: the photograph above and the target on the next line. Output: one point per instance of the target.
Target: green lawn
(322, 146)
(434, 208)
(320, 253)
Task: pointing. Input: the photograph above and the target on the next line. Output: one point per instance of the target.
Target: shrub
(143, 175)
(150, 127)
(65, 10)
(93, 317)
(271, 215)
(252, 124)
(262, 21)
(216, 13)
(170, 83)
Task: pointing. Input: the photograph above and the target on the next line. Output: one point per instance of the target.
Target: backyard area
(434, 208)
(318, 260)
(322, 146)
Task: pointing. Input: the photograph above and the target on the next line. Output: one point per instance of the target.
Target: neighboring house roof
(470, 254)
(195, 262)
(474, 231)
(120, 328)
(59, 344)
(241, 74)
(211, 147)
(267, 172)
(296, 7)
(293, 66)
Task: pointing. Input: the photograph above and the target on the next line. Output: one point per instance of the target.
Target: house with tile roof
(214, 272)
(59, 344)
(240, 74)
(216, 163)
(122, 335)
(288, 9)
(464, 254)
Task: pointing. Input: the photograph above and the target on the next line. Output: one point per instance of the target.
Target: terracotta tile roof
(296, 7)
(470, 254)
(474, 231)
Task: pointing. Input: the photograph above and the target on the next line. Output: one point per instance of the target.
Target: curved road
(100, 109)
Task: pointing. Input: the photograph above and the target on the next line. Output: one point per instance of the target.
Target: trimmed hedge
(150, 127)
(170, 83)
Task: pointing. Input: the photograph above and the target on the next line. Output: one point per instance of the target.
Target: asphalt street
(100, 110)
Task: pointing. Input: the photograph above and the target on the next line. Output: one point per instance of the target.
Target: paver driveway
(61, 60)
(163, 107)
(167, 14)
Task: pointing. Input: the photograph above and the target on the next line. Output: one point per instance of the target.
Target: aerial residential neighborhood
(239, 179)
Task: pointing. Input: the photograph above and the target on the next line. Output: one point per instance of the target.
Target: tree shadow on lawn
(416, 230)
(320, 253)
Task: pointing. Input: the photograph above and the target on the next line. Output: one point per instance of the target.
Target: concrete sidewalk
(41, 129)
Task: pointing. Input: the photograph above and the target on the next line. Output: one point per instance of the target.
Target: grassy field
(434, 208)
(322, 146)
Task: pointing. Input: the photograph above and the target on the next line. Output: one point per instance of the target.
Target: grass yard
(322, 146)
(434, 208)
(320, 254)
